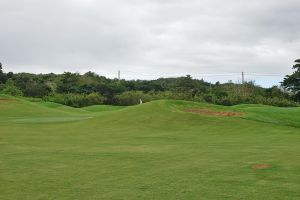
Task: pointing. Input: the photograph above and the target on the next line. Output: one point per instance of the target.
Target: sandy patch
(215, 113)
(261, 166)
(7, 100)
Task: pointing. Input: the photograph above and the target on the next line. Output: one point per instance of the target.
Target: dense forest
(80, 90)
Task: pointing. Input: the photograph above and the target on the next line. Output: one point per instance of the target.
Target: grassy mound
(152, 151)
(101, 108)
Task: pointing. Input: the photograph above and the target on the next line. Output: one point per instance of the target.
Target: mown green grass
(102, 108)
(149, 151)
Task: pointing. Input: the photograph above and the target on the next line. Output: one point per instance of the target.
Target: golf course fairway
(164, 149)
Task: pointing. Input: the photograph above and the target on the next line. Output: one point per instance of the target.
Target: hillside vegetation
(156, 150)
(81, 90)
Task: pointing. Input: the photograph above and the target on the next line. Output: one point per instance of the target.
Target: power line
(207, 75)
(139, 75)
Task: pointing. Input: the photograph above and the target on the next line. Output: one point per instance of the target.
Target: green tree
(2, 75)
(10, 88)
(292, 82)
(69, 83)
(185, 87)
(36, 89)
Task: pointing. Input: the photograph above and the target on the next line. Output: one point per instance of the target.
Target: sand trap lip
(215, 113)
(7, 100)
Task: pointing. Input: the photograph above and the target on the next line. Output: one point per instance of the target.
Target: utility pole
(119, 75)
(243, 78)
(243, 81)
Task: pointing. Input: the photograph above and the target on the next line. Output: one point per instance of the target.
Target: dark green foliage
(31, 85)
(36, 89)
(292, 82)
(275, 91)
(132, 98)
(10, 89)
(69, 83)
(77, 100)
(2, 75)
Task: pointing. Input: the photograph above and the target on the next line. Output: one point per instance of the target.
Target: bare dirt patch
(7, 100)
(261, 166)
(215, 113)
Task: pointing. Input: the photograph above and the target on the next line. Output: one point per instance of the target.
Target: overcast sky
(152, 38)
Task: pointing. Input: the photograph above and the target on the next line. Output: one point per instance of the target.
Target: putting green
(152, 151)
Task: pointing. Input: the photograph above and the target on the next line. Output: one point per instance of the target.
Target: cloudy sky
(213, 39)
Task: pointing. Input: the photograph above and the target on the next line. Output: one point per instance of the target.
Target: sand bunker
(215, 113)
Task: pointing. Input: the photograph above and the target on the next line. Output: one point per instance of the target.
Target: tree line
(78, 90)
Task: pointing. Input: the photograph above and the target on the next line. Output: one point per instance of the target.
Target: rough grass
(150, 151)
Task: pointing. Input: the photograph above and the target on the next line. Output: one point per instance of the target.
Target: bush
(36, 89)
(235, 100)
(280, 102)
(76, 100)
(94, 99)
(132, 98)
(9, 88)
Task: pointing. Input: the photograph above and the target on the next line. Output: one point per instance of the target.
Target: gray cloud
(151, 38)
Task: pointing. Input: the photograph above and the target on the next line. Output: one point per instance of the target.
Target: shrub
(94, 99)
(132, 98)
(9, 88)
(36, 89)
(76, 100)
(279, 102)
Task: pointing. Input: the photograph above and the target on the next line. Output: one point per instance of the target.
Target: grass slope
(149, 151)
(101, 108)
